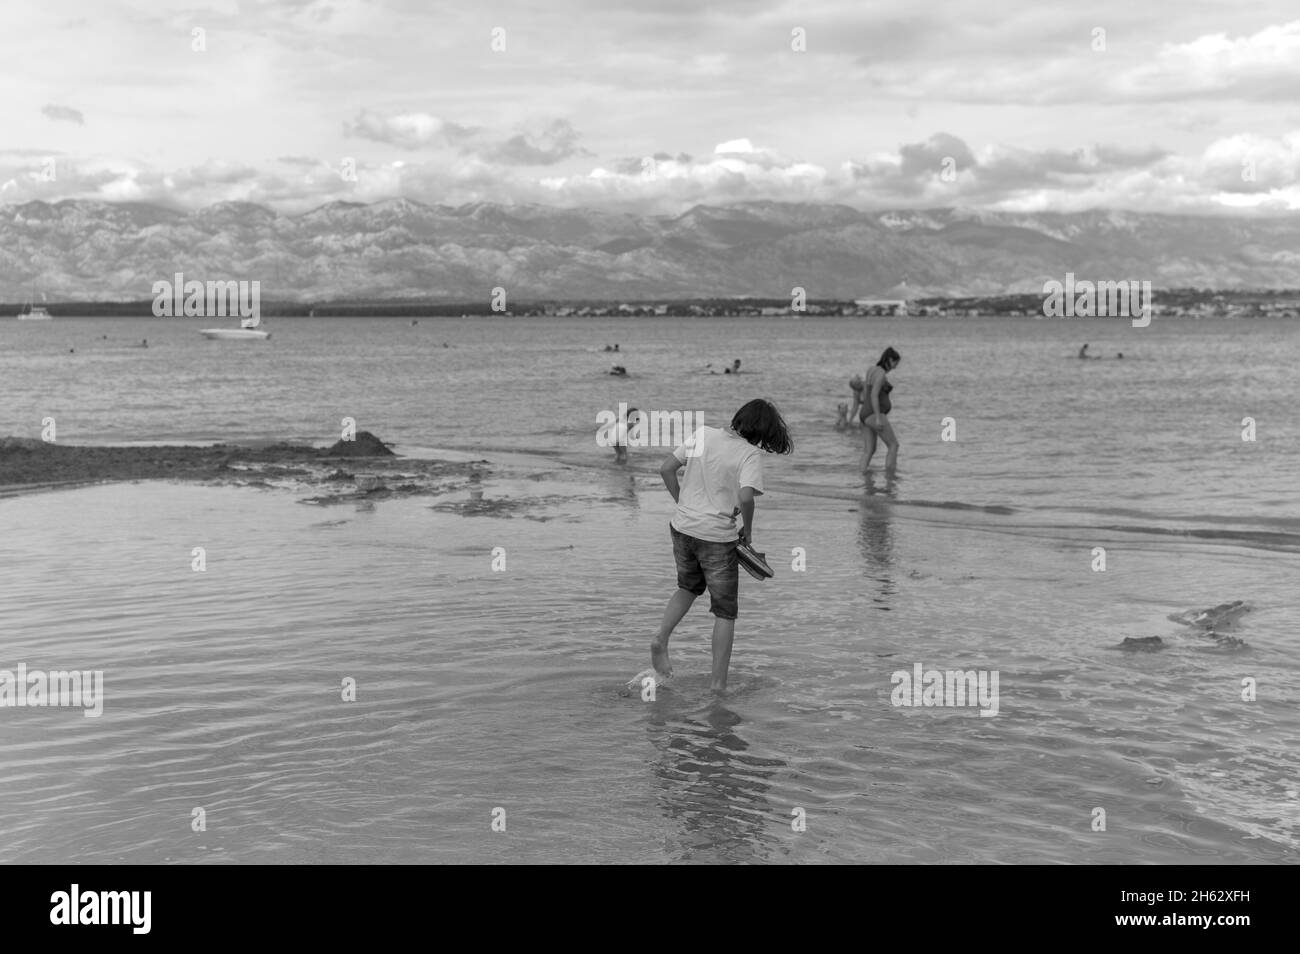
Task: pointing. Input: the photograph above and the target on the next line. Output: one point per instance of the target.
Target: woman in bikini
(876, 406)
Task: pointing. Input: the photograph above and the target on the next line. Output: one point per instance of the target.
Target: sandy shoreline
(363, 467)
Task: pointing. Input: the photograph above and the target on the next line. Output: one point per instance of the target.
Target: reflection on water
(876, 540)
(714, 788)
(622, 488)
(222, 688)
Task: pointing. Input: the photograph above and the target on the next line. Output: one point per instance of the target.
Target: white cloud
(734, 146)
(1182, 96)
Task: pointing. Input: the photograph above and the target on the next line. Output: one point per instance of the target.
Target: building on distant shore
(891, 301)
(881, 306)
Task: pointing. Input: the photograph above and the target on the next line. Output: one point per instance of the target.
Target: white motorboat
(34, 313)
(248, 330)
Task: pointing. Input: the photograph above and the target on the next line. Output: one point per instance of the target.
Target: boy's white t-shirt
(718, 463)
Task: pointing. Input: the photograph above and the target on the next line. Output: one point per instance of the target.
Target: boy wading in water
(724, 473)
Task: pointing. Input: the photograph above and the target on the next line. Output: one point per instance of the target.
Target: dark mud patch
(372, 471)
(506, 507)
(1217, 619)
(1213, 625)
(364, 444)
(1142, 644)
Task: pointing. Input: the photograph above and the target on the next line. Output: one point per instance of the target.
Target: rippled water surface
(478, 689)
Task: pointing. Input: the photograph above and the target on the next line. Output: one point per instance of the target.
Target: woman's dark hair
(760, 423)
(888, 357)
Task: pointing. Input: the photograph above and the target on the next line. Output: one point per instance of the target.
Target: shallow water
(1154, 436)
(481, 688)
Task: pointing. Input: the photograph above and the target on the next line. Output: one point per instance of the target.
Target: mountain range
(401, 249)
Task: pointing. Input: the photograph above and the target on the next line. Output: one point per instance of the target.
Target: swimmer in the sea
(1083, 352)
(734, 369)
(841, 415)
(618, 371)
(855, 389)
(620, 430)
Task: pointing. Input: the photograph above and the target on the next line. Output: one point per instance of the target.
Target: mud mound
(364, 444)
(27, 462)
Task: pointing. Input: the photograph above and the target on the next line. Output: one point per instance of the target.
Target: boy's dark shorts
(705, 563)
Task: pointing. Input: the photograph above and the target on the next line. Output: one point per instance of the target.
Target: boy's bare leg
(677, 606)
(724, 631)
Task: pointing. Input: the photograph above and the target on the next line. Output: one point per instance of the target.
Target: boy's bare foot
(659, 658)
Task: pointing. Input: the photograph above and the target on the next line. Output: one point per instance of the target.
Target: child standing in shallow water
(724, 473)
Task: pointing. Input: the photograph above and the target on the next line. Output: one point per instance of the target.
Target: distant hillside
(402, 249)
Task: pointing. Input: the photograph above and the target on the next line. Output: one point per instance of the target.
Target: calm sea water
(481, 689)
(1156, 435)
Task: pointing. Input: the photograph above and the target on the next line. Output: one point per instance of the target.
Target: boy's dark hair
(888, 357)
(760, 423)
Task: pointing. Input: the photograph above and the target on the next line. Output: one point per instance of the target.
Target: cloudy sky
(1187, 106)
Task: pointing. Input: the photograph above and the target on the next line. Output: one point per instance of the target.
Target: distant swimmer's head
(760, 423)
(889, 359)
(1119, 354)
(736, 364)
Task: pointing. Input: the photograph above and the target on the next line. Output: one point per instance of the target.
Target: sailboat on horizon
(34, 312)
